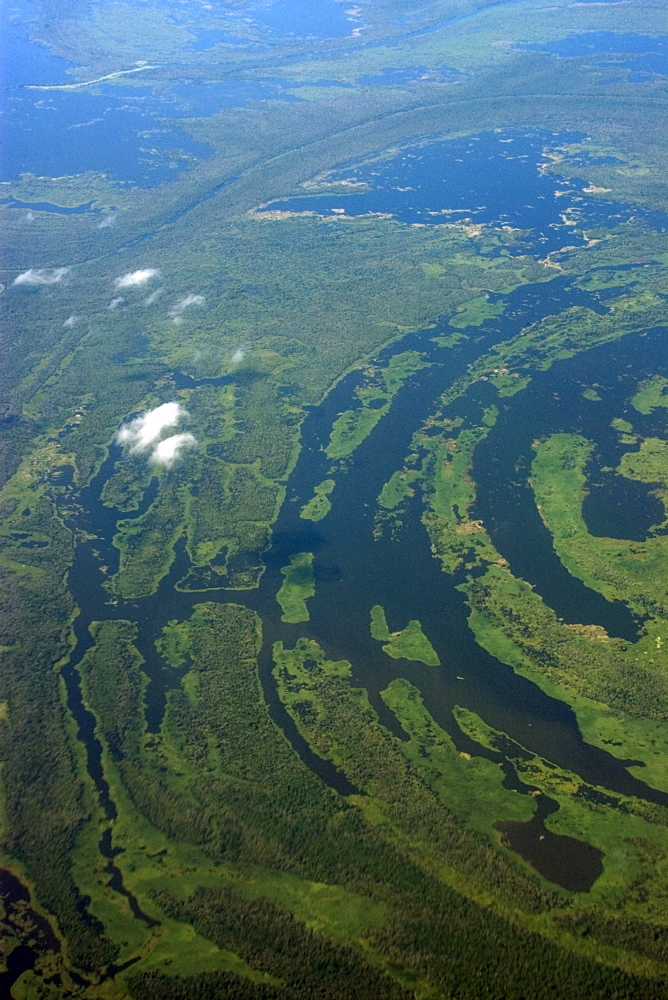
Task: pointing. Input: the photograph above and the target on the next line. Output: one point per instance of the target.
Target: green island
(650, 395)
(373, 297)
(621, 570)
(297, 587)
(319, 505)
(375, 396)
(409, 643)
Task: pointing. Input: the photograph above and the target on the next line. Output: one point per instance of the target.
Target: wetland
(343, 664)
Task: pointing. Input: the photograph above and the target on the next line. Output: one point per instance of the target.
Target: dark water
(552, 854)
(491, 178)
(649, 54)
(17, 916)
(355, 571)
(55, 133)
(47, 206)
(129, 132)
(120, 130)
(617, 507)
(306, 18)
(117, 130)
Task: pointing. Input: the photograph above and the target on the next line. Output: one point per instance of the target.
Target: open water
(355, 569)
(491, 178)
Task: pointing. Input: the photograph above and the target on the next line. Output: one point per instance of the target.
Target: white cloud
(107, 221)
(142, 432)
(134, 278)
(238, 356)
(153, 297)
(185, 303)
(70, 321)
(168, 451)
(115, 303)
(42, 276)
(30, 217)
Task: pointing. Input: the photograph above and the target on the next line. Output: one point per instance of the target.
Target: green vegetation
(618, 569)
(195, 805)
(469, 786)
(147, 543)
(475, 312)
(200, 856)
(455, 538)
(297, 587)
(375, 395)
(398, 488)
(650, 395)
(319, 505)
(410, 643)
(623, 427)
(339, 723)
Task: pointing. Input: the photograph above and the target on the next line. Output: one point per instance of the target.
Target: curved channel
(354, 571)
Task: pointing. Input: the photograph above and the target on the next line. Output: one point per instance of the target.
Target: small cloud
(238, 356)
(185, 303)
(142, 432)
(169, 450)
(70, 321)
(134, 278)
(30, 217)
(42, 276)
(115, 303)
(107, 222)
(153, 297)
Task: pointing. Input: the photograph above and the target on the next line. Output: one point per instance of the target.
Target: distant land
(334, 492)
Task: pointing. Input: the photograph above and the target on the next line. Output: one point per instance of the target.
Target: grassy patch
(375, 395)
(476, 311)
(408, 644)
(620, 570)
(650, 395)
(297, 587)
(319, 505)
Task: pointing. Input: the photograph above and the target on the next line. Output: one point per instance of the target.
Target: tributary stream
(355, 570)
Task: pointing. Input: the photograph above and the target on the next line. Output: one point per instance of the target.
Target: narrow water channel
(354, 570)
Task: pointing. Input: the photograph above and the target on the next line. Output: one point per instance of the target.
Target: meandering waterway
(355, 569)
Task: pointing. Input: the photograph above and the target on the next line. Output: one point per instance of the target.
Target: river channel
(355, 570)
(492, 178)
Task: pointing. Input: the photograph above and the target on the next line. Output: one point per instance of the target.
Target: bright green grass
(353, 426)
(471, 786)
(651, 394)
(408, 644)
(620, 570)
(398, 488)
(476, 311)
(319, 505)
(297, 587)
